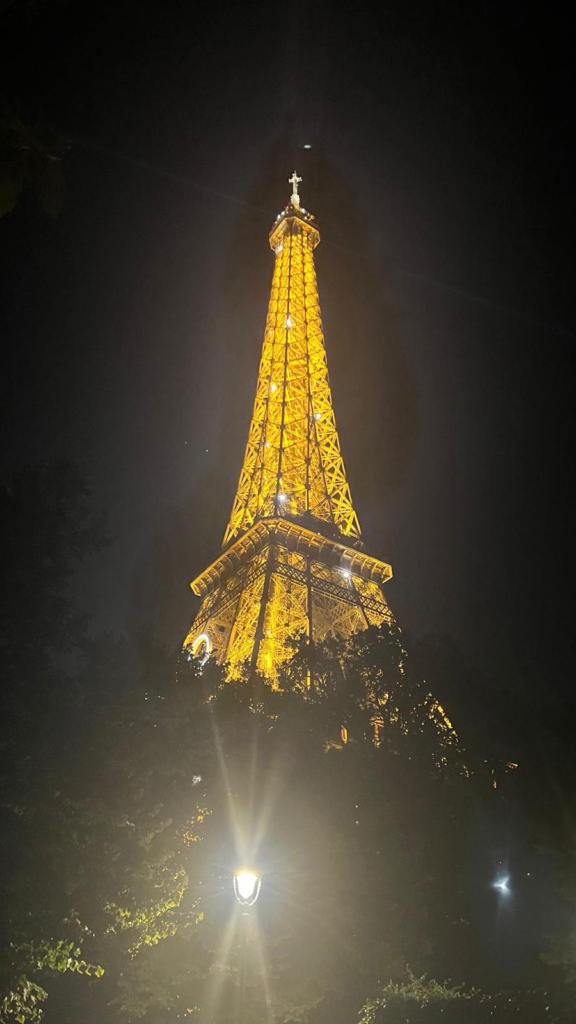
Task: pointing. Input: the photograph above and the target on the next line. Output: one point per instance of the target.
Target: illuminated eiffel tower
(292, 562)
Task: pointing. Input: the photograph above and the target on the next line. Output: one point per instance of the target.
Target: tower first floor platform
(278, 581)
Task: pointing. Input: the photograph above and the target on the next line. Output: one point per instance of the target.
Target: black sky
(440, 173)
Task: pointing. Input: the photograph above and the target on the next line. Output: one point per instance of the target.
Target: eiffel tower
(292, 562)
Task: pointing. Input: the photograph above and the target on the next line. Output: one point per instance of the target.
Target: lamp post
(247, 885)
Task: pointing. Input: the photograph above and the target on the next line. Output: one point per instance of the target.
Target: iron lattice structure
(293, 463)
(292, 561)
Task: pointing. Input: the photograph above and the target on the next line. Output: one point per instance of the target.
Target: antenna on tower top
(295, 198)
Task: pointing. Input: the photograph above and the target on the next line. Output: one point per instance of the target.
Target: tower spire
(295, 198)
(292, 561)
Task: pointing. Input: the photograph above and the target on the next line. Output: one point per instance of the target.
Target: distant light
(282, 497)
(307, 145)
(347, 574)
(273, 387)
(502, 885)
(317, 415)
(289, 322)
(279, 248)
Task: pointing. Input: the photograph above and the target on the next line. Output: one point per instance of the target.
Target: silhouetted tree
(420, 1001)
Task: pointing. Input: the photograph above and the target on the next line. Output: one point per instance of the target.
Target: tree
(48, 527)
(423, 1001)
(359, 843)
(553, 795)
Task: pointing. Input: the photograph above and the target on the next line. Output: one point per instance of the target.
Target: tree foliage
(424, 1001)
(48, 527)
(553, 793)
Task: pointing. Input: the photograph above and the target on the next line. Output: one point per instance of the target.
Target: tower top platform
(291, 213)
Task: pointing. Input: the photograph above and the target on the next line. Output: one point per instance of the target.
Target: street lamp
(247, 885)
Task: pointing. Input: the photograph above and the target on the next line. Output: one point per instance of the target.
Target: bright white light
(307, 145)
(279, 248)
(317, 415)
(247, 882)
(201, 648)
(247, 886)
(282, 497)
(502, 885)
(347, 574)
(288, 322)
(273, 387)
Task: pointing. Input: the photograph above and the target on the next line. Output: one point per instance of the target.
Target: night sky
(131, 325)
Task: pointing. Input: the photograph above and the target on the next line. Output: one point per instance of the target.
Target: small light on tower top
(295, 198)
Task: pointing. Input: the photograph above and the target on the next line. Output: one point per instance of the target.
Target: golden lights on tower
(292, 561)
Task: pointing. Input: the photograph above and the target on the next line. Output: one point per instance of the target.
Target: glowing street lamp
(247, 885)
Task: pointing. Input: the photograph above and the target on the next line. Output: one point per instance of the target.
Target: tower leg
(262, 612)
